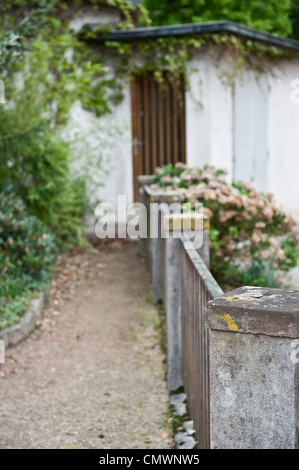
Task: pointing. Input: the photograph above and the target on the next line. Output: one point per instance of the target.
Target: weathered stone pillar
(143, 181)
(254, 369)
(172, 286)
(154, 244)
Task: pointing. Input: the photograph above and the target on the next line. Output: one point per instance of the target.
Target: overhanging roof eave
(195, 29)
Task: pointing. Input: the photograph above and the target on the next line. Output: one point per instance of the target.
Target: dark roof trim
(195, 29)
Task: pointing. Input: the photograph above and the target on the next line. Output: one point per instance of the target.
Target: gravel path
(92, 375)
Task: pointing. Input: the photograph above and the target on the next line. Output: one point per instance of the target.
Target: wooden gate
(158, 125)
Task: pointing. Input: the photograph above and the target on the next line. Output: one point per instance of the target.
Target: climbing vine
(84, 77)
(58, 69)
(46, 69)
(36, 35)
(175, 54)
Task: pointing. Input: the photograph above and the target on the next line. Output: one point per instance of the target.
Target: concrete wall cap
(273, 312)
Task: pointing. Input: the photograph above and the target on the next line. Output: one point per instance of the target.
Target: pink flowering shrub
(251, 239)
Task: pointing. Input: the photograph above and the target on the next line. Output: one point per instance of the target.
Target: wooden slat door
(158, 125)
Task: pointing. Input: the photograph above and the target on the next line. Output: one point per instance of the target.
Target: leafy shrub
(12, 308)
(27, 253)
(43, 79)
(53, 72)
(251, 239)
(37, 163)
(24, 243)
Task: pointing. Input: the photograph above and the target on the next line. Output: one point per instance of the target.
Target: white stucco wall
(283, 142)
(102, 145)
(250, 130)
(103, 150)
(102, 16)
(209, 115)
(253, 134)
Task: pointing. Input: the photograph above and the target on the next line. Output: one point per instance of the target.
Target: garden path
(92, 375)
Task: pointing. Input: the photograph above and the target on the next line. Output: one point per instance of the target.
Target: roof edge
(194, 29)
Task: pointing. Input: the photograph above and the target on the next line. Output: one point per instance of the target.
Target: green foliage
(260, 273)
(17, 23)
(294, 16)
(174, 53)
(27, 253)
(166, 171)
(13, 306)
(45, 69)
(56, 70)
(65, 69)
(95, 91)
(24, 242)
(252, 242)
(37, 163)
(253, 13)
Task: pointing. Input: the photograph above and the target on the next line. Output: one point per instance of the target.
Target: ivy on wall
(42, 27)
(36, 35)
(46, 68)
(174, 54)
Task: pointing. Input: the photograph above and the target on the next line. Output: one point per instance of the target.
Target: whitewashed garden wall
(250, 129)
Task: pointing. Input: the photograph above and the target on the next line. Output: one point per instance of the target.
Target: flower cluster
(246, 224)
